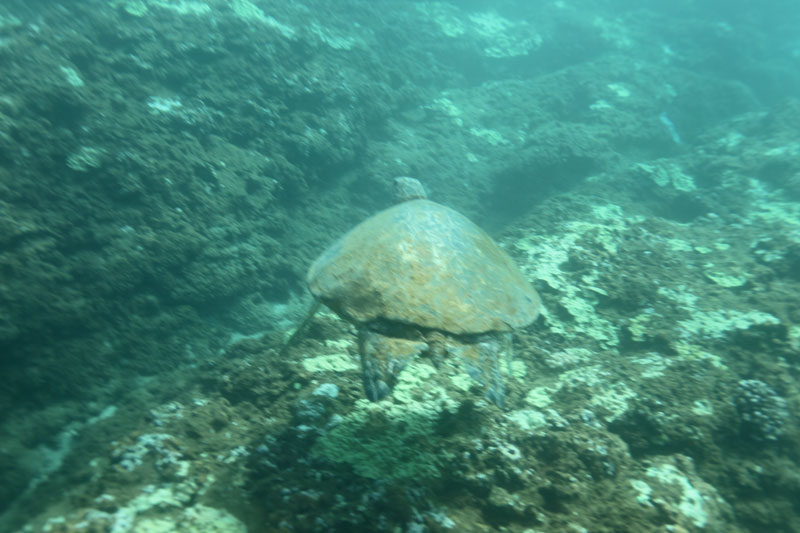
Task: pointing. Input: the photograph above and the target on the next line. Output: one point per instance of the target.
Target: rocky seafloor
(169, 169)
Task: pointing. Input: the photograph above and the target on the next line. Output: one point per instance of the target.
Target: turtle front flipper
(382, 360)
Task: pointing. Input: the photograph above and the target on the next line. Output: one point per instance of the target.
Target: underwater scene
(399, 266)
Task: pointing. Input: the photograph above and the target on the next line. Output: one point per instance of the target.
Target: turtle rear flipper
(484, 361)
(382, 360)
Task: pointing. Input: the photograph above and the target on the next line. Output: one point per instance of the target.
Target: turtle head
(406, 189)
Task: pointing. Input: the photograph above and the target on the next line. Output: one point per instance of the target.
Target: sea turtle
(420, 278)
